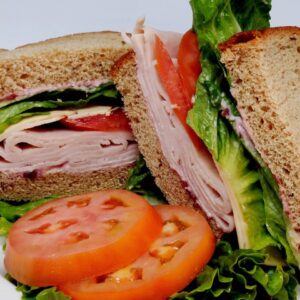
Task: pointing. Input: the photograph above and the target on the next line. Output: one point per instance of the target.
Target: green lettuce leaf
(14, 210)
(214, 21)
(4, 226)
(42, 294)
(252, 14)
(11, 211)
(47, 101)
(241, 274)
(36, 293)
(140, 181)
(241, 170)
(275, 222)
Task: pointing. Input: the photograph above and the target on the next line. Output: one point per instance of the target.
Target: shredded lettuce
(44, 102)
(242, 275)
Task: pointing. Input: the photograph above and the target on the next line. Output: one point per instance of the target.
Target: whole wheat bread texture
(264, 67)
(16, 187)
(124, 73)
(74, 58)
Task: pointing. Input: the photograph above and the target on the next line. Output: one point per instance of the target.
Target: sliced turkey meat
(195, 167)
(30, 146)
(64, 150)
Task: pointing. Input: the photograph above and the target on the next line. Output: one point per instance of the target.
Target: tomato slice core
(77, 237)
(116, 121)
(184, 247)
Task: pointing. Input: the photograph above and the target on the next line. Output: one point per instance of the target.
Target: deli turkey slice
(186, 175)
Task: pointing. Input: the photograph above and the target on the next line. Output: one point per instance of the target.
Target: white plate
(29, 21)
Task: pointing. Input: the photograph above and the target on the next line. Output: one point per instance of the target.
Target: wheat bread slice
(17, 187)
(124, 74)
(74, 58)
(264, 67)
(79, 58)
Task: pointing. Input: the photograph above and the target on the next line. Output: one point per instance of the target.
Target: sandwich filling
(40, 135)
(194, 166)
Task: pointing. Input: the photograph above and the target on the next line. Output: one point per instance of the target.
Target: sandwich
(219, 167)
(249, 135)
(62, 126)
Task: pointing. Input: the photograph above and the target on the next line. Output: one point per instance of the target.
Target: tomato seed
(46, 212)
(42, 229)
(110, 224)
(76, 237)
(50, 228)
(113, 203)
(82, 202)
(124, 275)
(171, 227)
(166, 252)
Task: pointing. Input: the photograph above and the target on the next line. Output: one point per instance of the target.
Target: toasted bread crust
(124, 73)
(253, 37)
(16, 187)
(265, 70)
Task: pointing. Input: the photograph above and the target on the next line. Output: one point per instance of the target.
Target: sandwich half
(253, 156)
(62, 126)
(184, 171)
(264, 67)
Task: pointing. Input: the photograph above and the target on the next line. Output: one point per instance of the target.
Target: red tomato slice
(171, 81)
(189, 62)
(185, 246)
(174, 86)
(116, 121)
(78, 237)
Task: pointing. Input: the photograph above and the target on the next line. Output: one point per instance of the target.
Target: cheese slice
(55, 116)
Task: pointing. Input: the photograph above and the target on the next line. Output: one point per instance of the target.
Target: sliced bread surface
(78, 58)
(264, 67)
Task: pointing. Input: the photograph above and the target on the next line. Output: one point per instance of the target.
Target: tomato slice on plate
(189, 65)
(184, 247)
(77, 237)
(172, 82)
(116, 121)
